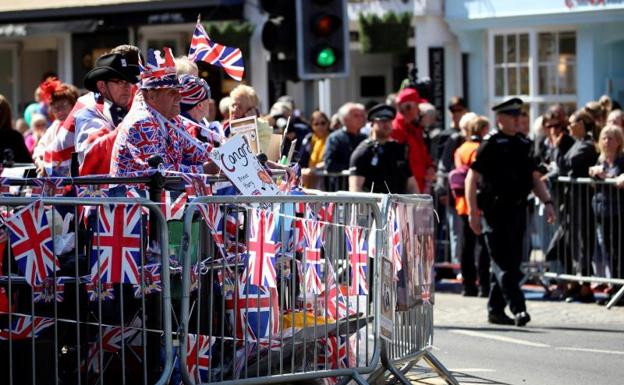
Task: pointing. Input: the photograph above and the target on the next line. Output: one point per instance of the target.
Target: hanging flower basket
(232, 33)
(388, 33)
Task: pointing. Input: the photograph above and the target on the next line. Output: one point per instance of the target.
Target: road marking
(591, 350)
(499, 338)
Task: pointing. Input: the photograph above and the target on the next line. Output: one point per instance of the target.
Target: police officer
(504, 174)
(379, 164)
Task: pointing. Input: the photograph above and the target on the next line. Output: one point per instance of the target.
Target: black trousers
(468, 269)
(504, 233)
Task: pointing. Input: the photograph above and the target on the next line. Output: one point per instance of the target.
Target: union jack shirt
(145, 132)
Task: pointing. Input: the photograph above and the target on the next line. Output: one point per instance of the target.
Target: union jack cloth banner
(253, 311)
(49, 291)
(199, 355)
(173, 204)
(357, 250)
(262, 248)
(204, 49)
(313, 231)
(25, 326)
(112, 338)
(32, 245)
(117, 244)
(151, 280)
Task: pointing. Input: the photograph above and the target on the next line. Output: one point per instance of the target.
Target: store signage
(13, 30)
(436, 74)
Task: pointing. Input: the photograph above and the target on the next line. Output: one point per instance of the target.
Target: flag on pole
(206, 50)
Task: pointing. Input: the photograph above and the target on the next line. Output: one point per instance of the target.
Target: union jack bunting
(49, 291)
(173, 204)
(204, 49)
(32, 245)
(336, 304)
(357, 251)
(107, 292)
(47, 187)
(198, 356)
(213, 216)
(395, 242)
(253, 311)
(151, 280)
(112, 338)
(262, 247)
(325, 214)
(313, 231)
(117, 244)
(25, 326)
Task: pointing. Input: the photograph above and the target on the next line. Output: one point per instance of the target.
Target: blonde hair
(224, 106)
(247, 92)
(476, 126)
(616, 133)
(184, 65)
(465, 120)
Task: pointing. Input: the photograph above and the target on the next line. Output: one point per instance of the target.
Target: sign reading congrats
(237, 161)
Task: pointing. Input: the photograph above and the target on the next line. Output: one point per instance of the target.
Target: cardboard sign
(238, 162)
(387, 299)
(247, 127)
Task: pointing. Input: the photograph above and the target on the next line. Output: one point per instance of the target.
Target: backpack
(457, 179)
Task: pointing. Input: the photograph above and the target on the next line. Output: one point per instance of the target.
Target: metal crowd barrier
(289, 294)
(587, 244)
(407, 286)
(83, 299)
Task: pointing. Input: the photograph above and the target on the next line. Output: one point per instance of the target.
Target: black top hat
(381, 112)
(110, 66)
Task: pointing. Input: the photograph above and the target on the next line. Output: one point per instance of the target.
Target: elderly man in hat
(406, 129)
(497, 186)
(154, 126)
(195, 107)
(88, 128)
(379, 164)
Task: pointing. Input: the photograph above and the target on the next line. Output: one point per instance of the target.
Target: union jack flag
(198, 355)
(262, 248)
(204, 49)
(112, 338)
(357, 251)
(253, 311)
(395, 242)
(336, 304)
(325, 214)
(25, 326)
(313, 231)
(117, 244)
(107, 292)
(49, 291)
(31, 241)
(151, 280)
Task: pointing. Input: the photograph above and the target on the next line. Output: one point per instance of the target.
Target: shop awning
(12, 11)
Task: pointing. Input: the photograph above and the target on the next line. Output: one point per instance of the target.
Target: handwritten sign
(247, 127)
(238, 162)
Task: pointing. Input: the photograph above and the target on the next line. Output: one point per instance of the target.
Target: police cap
(512, 106)
(381, 112)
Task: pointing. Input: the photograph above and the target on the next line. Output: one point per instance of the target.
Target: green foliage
(388, 33)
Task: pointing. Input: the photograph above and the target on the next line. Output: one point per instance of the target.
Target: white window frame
(533, 98)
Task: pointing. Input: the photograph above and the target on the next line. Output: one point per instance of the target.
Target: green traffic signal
(326, 57)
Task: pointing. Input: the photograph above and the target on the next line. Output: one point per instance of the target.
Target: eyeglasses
(119, 82)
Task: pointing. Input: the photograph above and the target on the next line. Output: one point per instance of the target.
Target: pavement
(586, 329)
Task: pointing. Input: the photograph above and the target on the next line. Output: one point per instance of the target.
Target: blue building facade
(567, 51)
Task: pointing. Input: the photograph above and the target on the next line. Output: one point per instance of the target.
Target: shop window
(511, 64)
(538, 66)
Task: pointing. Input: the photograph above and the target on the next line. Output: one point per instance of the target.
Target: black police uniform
(506, 167)
(383, 166)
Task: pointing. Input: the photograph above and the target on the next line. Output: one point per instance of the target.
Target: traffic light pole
(324, 93)
(310, 102)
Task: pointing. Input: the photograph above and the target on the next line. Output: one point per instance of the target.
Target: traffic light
(322, 39)
(279, 38)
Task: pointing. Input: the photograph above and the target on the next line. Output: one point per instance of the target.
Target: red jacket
(417, 153)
